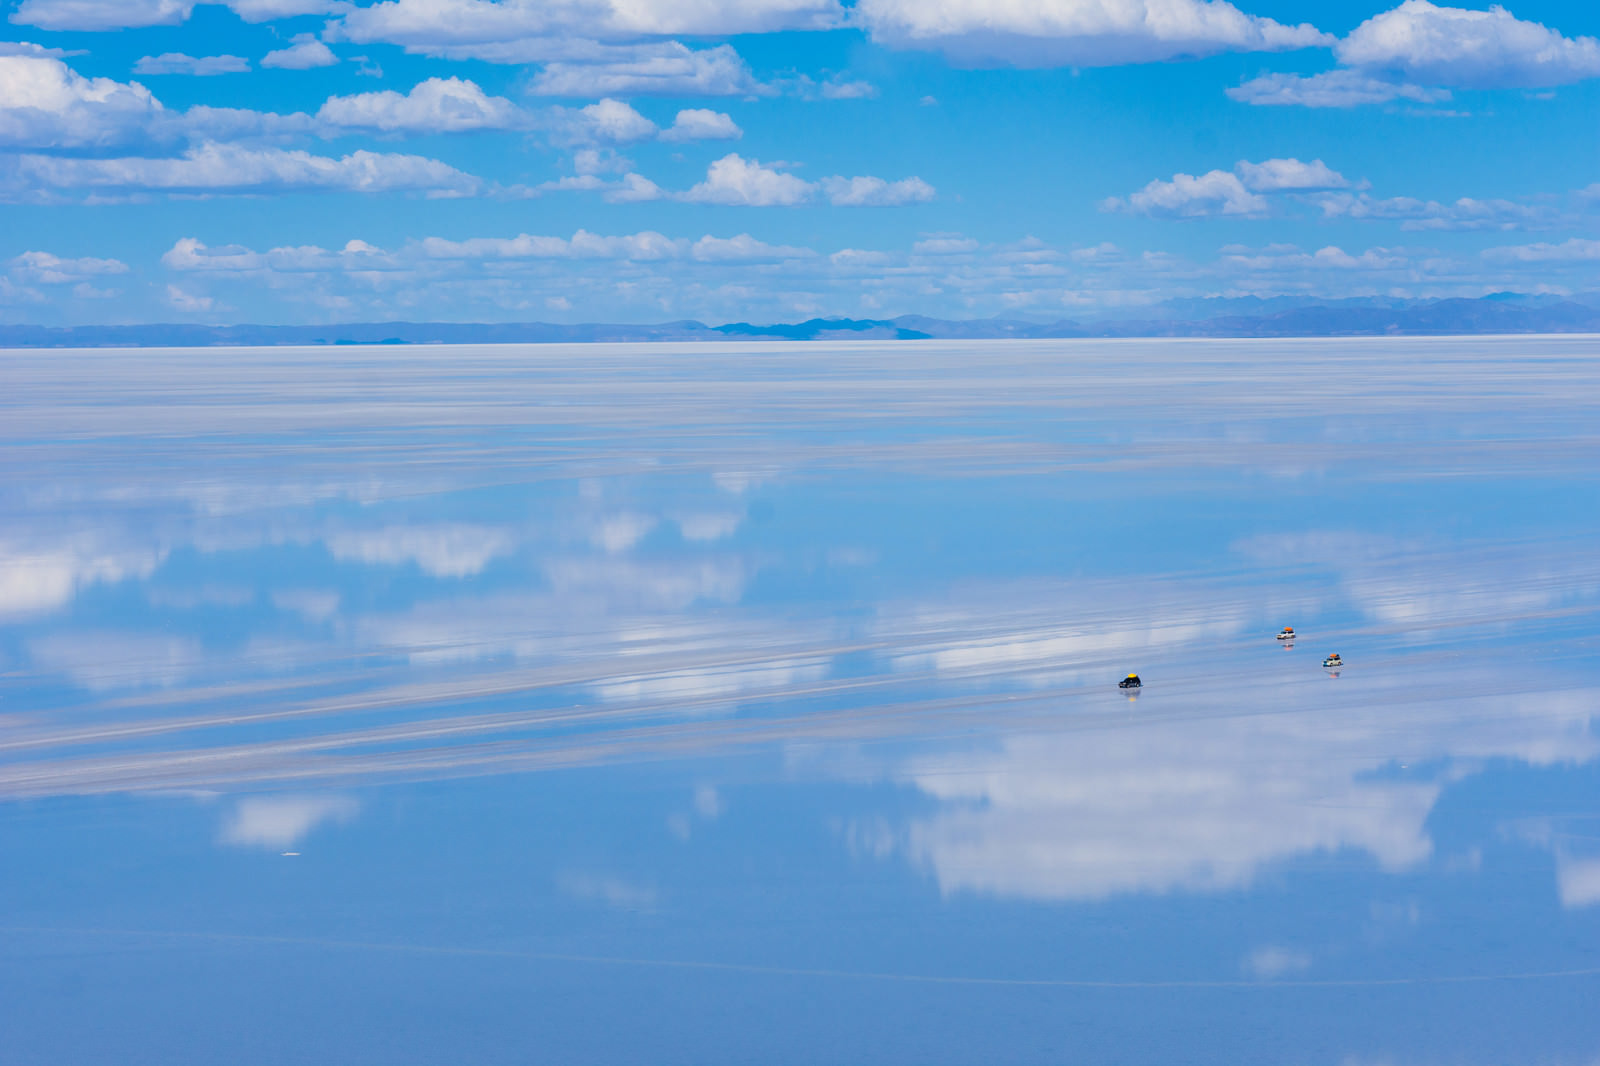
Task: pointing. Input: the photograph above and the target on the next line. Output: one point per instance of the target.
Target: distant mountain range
(1242, 317)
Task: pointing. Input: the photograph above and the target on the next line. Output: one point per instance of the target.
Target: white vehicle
(1333, 661)
(1287, 633)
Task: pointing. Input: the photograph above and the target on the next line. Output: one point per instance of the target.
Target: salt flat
(596, 700)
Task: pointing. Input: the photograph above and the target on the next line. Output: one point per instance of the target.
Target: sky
(307, 161)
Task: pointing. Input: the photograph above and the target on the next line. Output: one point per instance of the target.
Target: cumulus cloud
(267, 10)
(747, 183)
(1217, 192)
(438, 105)
(100, 14)
(304, 53)
(1419, 51)
(848, 90)
(1221, 192)
(605, 122)
(44, 104)
(734, 180)
(46, 269)
(186, 302)
(1572, 250)
(202, 66)
(581, 245)
(1281, 258)
(1462, 48)
(876, 192)
(93, 15)
(1275, 175)
(1466, 213)
(1334, 88)
(222, 168)
(421, 25)
(700, 124)
(191, 255)
(1070, 32)
(669, 69)
(26, 48)
(743, 248)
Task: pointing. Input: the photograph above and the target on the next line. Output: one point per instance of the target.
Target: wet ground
(759, 703)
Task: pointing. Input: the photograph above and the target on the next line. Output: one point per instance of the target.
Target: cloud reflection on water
(499, 562)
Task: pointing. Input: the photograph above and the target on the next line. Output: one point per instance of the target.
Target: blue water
(758, 703)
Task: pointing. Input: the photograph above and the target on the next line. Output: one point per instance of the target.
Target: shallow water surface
(759, 703)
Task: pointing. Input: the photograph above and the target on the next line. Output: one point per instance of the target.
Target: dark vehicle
(1131, 681)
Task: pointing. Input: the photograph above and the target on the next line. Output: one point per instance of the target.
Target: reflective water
(759, 704)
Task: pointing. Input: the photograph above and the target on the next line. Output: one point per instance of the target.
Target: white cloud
(582, 245)
(201, 66)
(634, 189)
(745, 182)
(606, 122)
(946, 245)
(1274, 175)
(280, 822)
(735, 180)
(93, 15)
(1419, 51)
(357, 256)
(700, 124)
(222, 168)
(438, 105)
(45, 104)
(1334, 88)
(848, 90)
(188, 302)
(743, 248)
(876, 192)
(1217, 192)
(1466, 213)
(426, 24)
(38, 51)
(267, 10)
(1572, 250)
(47, 269)
(669, 69)
(305, 53)
(101, 14)
(1463, 48)
(1330, 258)
(1071, 32)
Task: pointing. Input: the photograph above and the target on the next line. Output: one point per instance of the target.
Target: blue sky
(645, 160)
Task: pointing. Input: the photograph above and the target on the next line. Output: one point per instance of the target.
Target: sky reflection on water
(651, 704)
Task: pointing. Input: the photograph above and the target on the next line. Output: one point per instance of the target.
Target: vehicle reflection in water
(665, 684)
